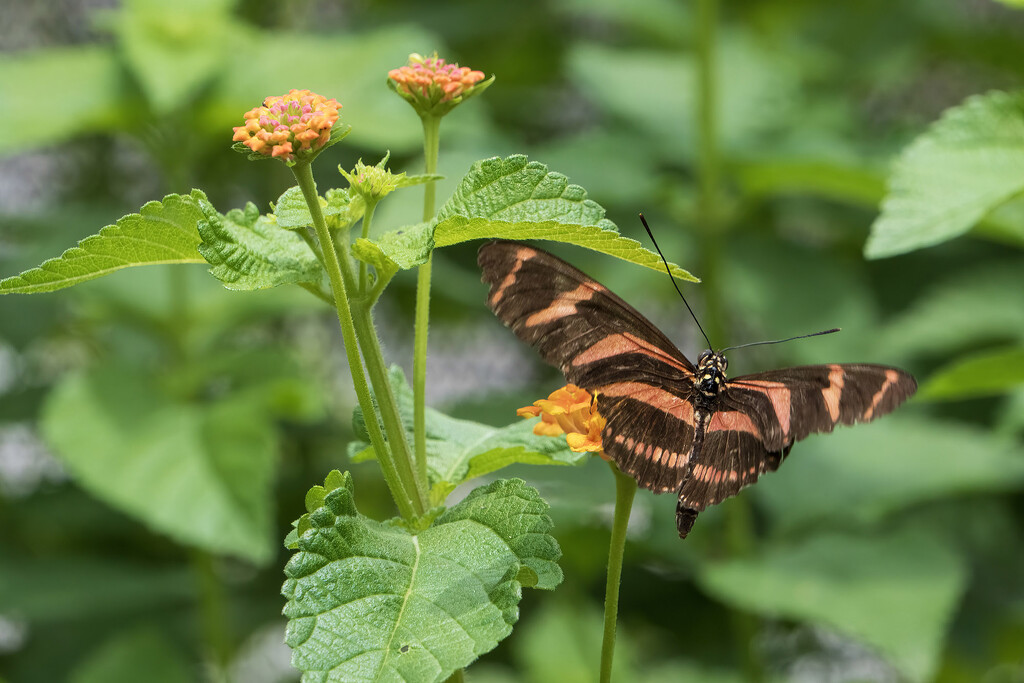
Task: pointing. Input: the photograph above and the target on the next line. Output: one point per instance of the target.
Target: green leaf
(896, 593)
(460, 229)
(861, 475)
(248, 251)
(965, 165)
(854, 184)
(972, 308)
(199, 472)
(121, 659)
(163, 232)
(403, 249)
(91, 76)
(291, 210)
(372, 601)
(39, 589)
(751, 78)
(420, 179)
(982, 374)
(518, 190)
(173, 52)
(515, 198)
(460, 450)
(518, 514)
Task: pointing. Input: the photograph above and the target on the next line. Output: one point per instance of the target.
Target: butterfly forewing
(660, 429)
(643, 383)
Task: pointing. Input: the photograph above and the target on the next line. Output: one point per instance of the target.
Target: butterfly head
(711, 367)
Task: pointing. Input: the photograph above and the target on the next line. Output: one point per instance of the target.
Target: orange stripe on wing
(625, 342)
(891, 376)
(564, 304)
(834, 391)
(522, 255)
(655, 397)
(778, 393)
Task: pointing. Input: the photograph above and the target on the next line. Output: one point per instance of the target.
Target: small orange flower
(570, 411)
(434, 87)
(289, 126)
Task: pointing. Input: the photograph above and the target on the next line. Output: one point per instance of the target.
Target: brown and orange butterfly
(671, 425)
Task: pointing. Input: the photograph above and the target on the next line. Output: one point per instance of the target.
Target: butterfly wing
(760, 416)
(643, 383)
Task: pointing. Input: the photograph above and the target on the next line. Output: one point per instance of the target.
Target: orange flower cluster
(289, 125)
(450, 81)
(570, 411)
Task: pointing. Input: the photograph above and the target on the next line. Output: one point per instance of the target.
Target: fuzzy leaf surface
(248, 251)
(964, 166)
(371, 601)
(162, 232)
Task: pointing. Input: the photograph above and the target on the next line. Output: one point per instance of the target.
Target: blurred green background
(887, 552)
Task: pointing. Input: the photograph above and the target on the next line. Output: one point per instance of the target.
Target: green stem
(304, 176)
(431, 145)
(367, 221)
(625, 489)
(739, 537)
(378, 371)
(212, 607)
(709, 164)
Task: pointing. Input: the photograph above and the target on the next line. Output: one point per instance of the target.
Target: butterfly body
(671, 425)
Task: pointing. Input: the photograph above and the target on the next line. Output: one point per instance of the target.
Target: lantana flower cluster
(433, 86)
(288, 126)
(571, 411)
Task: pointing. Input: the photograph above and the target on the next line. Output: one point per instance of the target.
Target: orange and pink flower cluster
(288, 125)
(422, 73)
(570, 411)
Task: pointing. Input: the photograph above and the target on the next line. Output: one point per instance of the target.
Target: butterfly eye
(725, 363)
(704, 355)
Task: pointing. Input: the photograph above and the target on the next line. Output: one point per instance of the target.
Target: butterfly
(670, 424)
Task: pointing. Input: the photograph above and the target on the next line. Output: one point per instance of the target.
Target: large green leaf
(371, 601)
(862, 474)
(965, 165)
(514, 198)
(249, 251)
(976, 307)
(199, 472)
(896, 593)
(981, 374)
(460, 450)
(68, 587)
(122, 659)
(162, 232)
(175, 50)
(654, 91)
(87, 75)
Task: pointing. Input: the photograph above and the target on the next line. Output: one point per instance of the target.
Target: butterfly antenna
(671, 277)
(779, 341)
